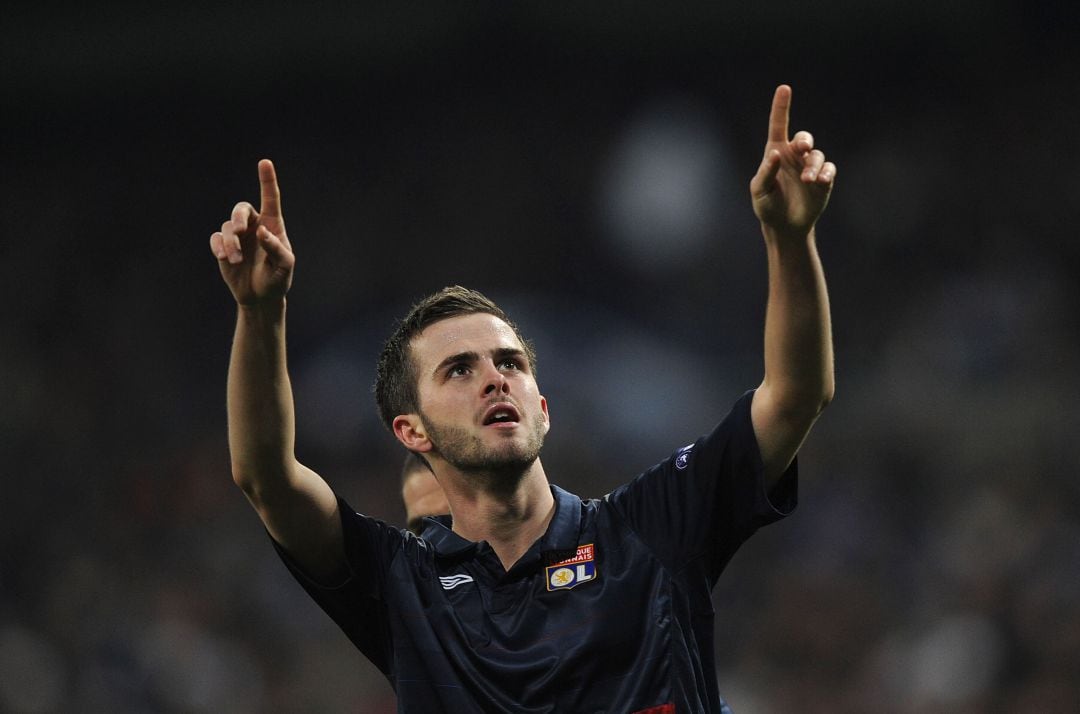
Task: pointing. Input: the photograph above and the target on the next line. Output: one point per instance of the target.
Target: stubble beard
(500, 466)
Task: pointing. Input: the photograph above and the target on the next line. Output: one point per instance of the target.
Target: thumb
(765, 179)
(279, 252)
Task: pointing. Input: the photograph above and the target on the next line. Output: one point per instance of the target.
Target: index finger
(270, 204)
(778, 117)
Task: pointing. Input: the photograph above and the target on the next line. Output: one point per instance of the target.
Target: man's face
(478, 400)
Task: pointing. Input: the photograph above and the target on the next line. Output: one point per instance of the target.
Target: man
(420, 493)
(530, 599)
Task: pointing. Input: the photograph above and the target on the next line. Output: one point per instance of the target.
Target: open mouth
(501, 413)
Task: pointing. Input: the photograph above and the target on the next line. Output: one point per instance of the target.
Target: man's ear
(410, 431)
(544, 409)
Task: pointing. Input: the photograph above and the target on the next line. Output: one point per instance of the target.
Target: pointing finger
(271, 195)
(778, 117)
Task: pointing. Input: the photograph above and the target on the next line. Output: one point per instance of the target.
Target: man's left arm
(789, 193)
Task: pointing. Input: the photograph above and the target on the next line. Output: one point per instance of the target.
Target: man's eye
(509, 364)
(458, 370)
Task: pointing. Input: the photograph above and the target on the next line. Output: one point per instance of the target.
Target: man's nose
(495, 381)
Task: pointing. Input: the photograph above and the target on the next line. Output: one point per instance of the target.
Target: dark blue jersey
(610, 611)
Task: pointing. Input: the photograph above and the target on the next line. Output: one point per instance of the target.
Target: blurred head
(420, 492)
(396, 390)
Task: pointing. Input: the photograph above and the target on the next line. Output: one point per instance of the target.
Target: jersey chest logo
(573, 571)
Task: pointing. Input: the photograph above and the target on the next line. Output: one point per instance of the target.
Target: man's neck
(510, 520)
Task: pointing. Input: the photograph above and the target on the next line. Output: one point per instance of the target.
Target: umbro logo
(449, 582)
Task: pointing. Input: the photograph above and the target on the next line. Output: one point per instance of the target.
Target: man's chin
(504, 456)
(512, 460)
(507, 463)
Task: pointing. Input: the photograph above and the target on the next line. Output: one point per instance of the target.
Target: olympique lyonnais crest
(573, 571)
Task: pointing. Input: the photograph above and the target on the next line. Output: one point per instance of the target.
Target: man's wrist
(267, 313)
(787, 236)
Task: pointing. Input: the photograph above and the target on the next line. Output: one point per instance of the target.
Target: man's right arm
(296, 505)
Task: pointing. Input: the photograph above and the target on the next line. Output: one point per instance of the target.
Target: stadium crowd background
(588, 170)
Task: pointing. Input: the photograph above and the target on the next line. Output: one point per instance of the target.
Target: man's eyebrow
(471, 357)
(508, 352)
(468, 357)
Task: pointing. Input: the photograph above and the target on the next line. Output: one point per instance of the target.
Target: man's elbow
(242, 478)
(255, 481)
(826, 396)
(818, 393)
(247, 481)
(809, 408)
(800, 409)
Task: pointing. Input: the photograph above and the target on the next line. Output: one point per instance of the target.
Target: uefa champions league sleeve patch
(682, 458)
(573, 571)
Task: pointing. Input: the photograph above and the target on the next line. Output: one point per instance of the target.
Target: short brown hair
(396, 388)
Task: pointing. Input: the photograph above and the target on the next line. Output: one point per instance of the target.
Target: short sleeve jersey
(609, 611)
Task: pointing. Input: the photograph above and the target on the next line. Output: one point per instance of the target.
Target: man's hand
(793, 183)
(253, 252)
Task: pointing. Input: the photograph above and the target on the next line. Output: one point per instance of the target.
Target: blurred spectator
(420, 492)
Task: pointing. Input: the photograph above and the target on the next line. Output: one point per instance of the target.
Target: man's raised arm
(297, 507)
(789, 193)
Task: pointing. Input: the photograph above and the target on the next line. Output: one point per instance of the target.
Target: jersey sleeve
(357, 604)
(705, 500)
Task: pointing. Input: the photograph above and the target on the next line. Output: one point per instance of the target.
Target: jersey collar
(561, 534)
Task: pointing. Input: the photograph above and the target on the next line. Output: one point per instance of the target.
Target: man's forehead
(477, 332)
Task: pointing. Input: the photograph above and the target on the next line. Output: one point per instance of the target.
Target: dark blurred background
(586, 167)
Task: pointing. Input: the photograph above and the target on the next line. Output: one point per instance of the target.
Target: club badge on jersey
(574, 571)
